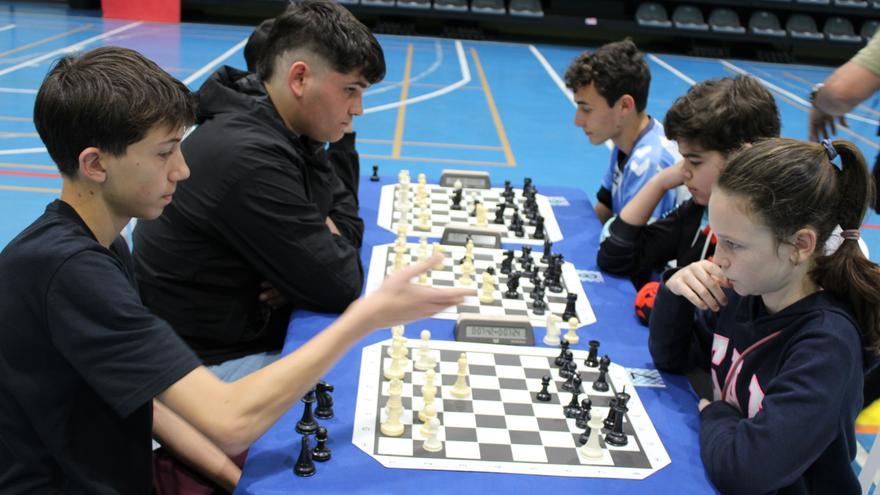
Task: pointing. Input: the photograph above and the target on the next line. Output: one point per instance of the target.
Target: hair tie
(850, 234)
(833, 156)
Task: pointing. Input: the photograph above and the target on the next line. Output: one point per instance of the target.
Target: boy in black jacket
(714, 119)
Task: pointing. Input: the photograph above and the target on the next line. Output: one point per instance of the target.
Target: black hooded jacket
(253, 211)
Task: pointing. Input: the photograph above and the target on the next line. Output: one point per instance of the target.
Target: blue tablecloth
(673, 410)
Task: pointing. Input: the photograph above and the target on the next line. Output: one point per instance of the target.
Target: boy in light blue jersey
(610, 88)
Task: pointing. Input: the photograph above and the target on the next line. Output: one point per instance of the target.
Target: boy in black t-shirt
(81, 359)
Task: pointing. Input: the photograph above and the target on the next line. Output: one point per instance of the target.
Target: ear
(804, 242)
(90, 166)
(627, 103)
(296, 77)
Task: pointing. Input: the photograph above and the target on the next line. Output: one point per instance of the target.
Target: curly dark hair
(723, 114)
(616, 69)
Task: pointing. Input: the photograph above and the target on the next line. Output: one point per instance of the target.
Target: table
(673, 410)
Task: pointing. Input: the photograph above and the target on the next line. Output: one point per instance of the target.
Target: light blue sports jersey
(651, 153)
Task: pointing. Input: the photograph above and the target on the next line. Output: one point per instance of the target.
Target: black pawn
(321, 453)
(544, 394)
(307, 424)
(573, 409)
(545, 257)
(375, 176)
(570, 311)
(568, 367)
(324, 409)
(569, 385)
(584, 417)
(564, 348)
(592, 360)
(304, 465)
(526, 256)
(601, 383)
(539, 227)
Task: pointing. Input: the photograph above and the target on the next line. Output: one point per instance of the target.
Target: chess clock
(497, 329)
(469, 179)
(457, 234)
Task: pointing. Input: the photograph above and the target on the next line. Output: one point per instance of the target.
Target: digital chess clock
(458, 235)
(506, 330)
(468, 179)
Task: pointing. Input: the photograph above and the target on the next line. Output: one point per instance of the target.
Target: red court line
(870, 226)
(47, 175)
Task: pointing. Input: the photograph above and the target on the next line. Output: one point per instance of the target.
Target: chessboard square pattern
(528, 453)
(395, 446)
(462, 450)
(523, 423)
(484, 382)
(493, 435)
(525, 437)
(488, 407)
(462, 420)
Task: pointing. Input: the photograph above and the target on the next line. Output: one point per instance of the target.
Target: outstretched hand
(399, 301)
(822, 125)
(701, 283)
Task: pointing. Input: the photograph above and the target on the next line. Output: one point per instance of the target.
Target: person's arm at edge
(189, 445)
(670, 329)
(631, 249)
(602, 212)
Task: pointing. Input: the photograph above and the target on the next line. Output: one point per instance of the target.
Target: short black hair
(331, 32)
(256, 44)
(615, 69)
(723, 114)
(109, 98)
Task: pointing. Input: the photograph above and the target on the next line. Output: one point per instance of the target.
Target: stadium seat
(868, 29)
(378, 3)
(840, 29)
(766, 23)
(453, 5)
(414, 4)
(860, 4)
(349, 2)
(653, 15)
(725, 21)
(814, 2)
(488, 6)
(803, 26)
(526, 8)
(687, 17)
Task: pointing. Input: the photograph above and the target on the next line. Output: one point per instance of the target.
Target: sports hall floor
(499, 107)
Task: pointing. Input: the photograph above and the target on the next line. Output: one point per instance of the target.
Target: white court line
(214, 63)
(7, 27)
(19, 91)
(22, 151)
(789, 94)
(559, 83)
(465, 78)
(68, 49)
(438, 60)
(681, 75)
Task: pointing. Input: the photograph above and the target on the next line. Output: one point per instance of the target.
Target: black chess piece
(519, 231)
(584, 417)
(592, 360)
(507, 262)
(573, 409)
(321, 453)
(499, 214)
(608, 422)
(456, 199)
(526, 265)
(564, 348)
(571, 368)
(544, 394)
(570, 311)
(527, 184)
(535, 276)
(525, 255)
(539, 227)
(307, 424)
(473, 212)
(538, 305)
(601, 383)
(324, 410)
(616, 436)
(567, 370)
(304, 465)
(512, 286)
(375, 176)
(548, 246)
(622, 398)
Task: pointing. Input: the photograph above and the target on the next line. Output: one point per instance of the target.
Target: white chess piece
(430, 413)
(553, 332)
(396, 331)
(457, 185)
(467, 269)
(395, 368)
(423, 248)
(487, 296)
(423, 278)
(398, 262)
(481, 215)
(423, 179)
(431, 443)
(592, 449)
(571, 335)
(428, 395)
(426, 359)
(469, 250)
(395, 389)
(437, 249)
(424, 219)
(461, 389)
(392, 426)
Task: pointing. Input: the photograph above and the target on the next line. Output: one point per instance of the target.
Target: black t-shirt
(80, 360)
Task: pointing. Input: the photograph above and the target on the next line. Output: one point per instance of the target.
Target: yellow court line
(30, 189)
(508, 153)
(436, 160)
(46, 40)
(401, 110)
(53, 168)
(433, 145)
(17, 119)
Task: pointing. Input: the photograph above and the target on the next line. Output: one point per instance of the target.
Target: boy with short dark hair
(610, 89)
(710, 122)
(81, 359)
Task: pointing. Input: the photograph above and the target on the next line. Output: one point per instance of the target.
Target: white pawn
(423, 248)
(422, 179)
(461, 389)
(428, 394)
(392, 426)
(437, 249)
(553, 332)
(571, 335)
(481, 215)
(426, 359)
(430, 413)
(424, 219)
(396, 331)
(429, 382)
(398, 262)
(431, 443)
(395, 389)
(469, 250)
(395, 368)
(487, 296)
(466, 269)
(592, 449)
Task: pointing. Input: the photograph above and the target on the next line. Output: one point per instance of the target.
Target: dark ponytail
(792, 184)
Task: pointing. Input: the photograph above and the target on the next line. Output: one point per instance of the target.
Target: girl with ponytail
(794, 309)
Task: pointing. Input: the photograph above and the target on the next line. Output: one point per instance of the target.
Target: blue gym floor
(499, 107)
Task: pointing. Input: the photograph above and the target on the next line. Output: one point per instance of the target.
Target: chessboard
(382, 264)
(441, 214)
(501, 427)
